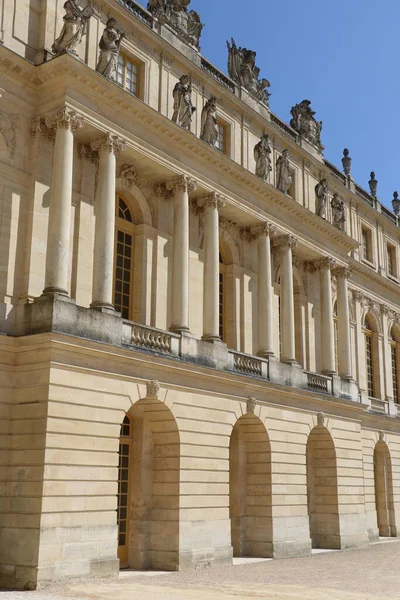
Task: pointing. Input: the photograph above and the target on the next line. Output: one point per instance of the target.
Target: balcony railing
(379, 406)
(138, 11)
(149, 338)
(247, 364)
(319, 383)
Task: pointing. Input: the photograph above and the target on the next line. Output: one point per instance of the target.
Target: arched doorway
(384, 491)
(250, 489)
(148, 488)
(322, 493)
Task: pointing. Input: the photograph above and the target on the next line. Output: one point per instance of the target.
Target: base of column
(211, 338)
(290, 361)
(103, 307)
(328, 372)
(265, 353)
(55, 291)
(179, 329)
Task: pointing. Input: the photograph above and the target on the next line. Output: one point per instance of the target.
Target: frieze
(8, 128)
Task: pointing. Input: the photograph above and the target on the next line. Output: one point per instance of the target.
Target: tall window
(222, 137)
(391, 260)
(336, 337)
(128, 75)
(394, 362)
(221, 298)
(369, 357)
(123, 260)
(366, 244)
(125, 447)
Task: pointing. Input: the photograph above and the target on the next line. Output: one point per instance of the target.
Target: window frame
(366, 235)
(127, 227)
(391, 258)
(140, 71)
(222, 293)
(394, 365)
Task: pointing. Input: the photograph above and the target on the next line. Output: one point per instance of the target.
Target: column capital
(168, 188)
(85, 152)
(260, 229)
(108, 141)
(342, 272)
(285, 241)
(213, 200)
(327, 262)
(63, 118)
(358, 296)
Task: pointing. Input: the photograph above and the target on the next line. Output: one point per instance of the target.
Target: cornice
(357, 267)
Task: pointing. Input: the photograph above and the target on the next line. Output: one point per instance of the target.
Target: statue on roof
(74, 28)
(175, 13)
(305, 124)
(243, 70)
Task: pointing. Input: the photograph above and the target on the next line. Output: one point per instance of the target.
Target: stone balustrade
(250, 365)
(379, 406)
(319, 383)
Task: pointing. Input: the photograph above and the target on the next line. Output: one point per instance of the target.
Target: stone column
(107, 146)
(265, 314)
(343, 318)
(286, 245)
(327, 328)
(212, 204)
(180, 263)
(64, 122)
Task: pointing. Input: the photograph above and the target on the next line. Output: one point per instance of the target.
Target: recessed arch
(148, 492)
(250, 488)
(136, 200)
(322, 489)
(384, 491)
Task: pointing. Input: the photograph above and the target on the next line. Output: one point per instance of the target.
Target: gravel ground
(369, 574)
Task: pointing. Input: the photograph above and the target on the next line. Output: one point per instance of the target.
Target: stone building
(194, 364)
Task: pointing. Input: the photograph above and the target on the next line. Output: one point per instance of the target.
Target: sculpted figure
(338, 212)
(209, 123)
(321, 191)
(373, 185)
(74, 28)
(396, 203)
(175, 13)
(242, 69)
(262, 152)
(283, 175)
(183, 107)
(346, 162)
(305, 124)
(109, 50)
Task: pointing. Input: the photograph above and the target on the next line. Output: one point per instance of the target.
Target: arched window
(336, 336)
(123, 259)
(394, 356)
(221, 297)
(371, 359)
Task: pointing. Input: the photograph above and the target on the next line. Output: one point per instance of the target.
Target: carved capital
(85, 152)
(342, 272)
(262, 229)
(38, 126)
(213, 200)
(325, 263)
(64, 118)
(251, 406)
(153, 388)
(309, 266)
(109, 142)
(358, 296)
(286, 241)
(167, 189)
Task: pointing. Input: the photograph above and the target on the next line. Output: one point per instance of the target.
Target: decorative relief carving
(175, 13)
(153, 389)
(213, 200)
(85, 152)
(342, 272)
(8, 128)
(321, 419)
(127, 175)
(167, 189)
(109, 142)
(381, 436)
(309, 266)
(243, 70)
(256, 231)
(327, 262)
(251, 406)
(64, 118)
(305, 124)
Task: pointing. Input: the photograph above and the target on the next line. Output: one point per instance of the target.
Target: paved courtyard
(363, 575)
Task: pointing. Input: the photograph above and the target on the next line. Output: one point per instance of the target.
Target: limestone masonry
(199, 314)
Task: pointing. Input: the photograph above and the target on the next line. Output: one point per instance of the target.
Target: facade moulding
(201, 151)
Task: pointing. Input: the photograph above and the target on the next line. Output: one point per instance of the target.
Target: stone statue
(109, 50)
(304, 123)
(373, 185)
(283, 175)
(338, 212)
(183, 107)
(242, 69)
(74, 28)
(262, 152)
(396, 203)
(346, 162)
(209, 123)
(186, 23)
(321, 191)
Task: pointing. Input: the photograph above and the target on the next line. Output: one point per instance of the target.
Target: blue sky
(343, 55)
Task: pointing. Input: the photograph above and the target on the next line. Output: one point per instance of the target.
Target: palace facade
(197, 361)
